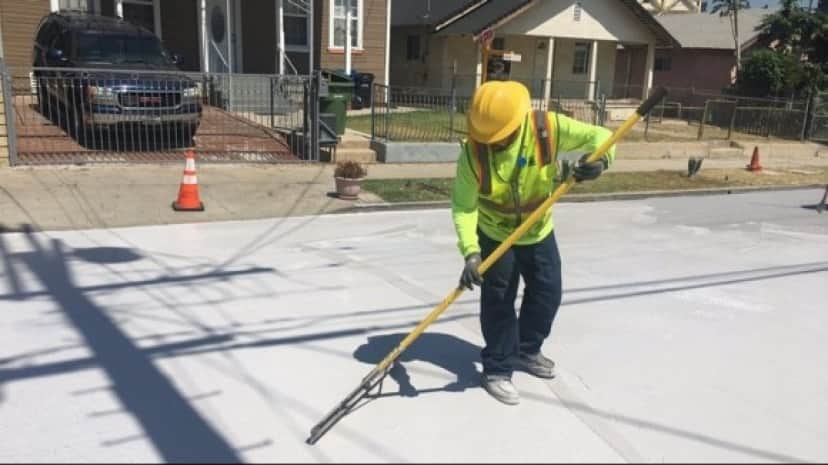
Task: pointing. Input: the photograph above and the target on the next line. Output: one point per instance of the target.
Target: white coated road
(692, 329)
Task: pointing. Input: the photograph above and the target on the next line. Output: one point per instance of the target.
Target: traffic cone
(754, 161)
(188, 199)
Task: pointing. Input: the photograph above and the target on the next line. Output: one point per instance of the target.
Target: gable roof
(426, 12)
(486, 14)
(712, 31)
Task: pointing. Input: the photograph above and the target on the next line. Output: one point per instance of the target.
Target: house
(564, 48)
(238, 36)
(706, 58)
(660, 7)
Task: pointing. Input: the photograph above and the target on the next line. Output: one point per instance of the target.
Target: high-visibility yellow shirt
(515, 193)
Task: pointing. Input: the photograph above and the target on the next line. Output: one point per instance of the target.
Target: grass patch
(414, 126)
(435, 189)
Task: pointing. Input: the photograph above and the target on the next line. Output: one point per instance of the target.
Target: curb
(579, 198)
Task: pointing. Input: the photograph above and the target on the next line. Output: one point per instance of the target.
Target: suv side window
(44, 34)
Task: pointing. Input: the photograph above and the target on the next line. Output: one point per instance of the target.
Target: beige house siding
(371, 59)
(599, 20)
(568, 83)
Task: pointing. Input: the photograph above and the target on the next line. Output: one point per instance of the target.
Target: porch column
(593, 69)
(478, 70)
(550, 72)
(648, 71)
(280, 30)
(205, 43)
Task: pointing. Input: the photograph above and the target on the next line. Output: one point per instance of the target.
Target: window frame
(294, 47)
(588, 49)
(663, 60)
(360, 19)
(409, 40)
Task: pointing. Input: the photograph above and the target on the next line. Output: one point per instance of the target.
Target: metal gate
(819, 118)
(80, 116)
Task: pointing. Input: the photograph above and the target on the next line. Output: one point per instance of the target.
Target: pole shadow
(178, 432)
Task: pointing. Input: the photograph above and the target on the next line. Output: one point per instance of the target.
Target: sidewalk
(55, 198)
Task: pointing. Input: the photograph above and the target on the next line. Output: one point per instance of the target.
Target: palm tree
(731, 8)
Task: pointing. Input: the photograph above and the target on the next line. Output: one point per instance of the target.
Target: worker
(508, 166)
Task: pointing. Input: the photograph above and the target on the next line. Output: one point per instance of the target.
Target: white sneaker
(501, 388)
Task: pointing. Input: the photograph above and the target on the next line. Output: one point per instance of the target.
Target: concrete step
(351, 142)
(361, 155)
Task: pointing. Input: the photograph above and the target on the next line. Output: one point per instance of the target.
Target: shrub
(350, 169)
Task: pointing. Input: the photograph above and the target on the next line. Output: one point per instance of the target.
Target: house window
(340, 8)
(412, 47)
(145, 13)
(580, 62)
(296, 27)
(663, 63)
(76, 5)
(499, 43)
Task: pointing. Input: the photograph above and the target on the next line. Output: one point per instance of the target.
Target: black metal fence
(716, 115)
(81, 116)
(409, 114)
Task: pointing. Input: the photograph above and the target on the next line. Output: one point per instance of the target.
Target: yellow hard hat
(497, 110)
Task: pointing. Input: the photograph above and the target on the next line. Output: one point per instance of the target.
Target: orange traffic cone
(188, 199)
(754, 161)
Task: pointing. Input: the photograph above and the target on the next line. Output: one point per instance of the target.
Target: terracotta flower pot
(348, 188)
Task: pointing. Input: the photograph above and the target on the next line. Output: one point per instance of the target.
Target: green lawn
(414, 126)
(435, 189)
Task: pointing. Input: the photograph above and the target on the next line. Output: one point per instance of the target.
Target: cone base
(177, 207)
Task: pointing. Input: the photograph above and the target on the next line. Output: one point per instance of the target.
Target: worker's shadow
(445, 351)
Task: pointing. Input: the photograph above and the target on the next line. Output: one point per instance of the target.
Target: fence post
(603, 109)
(453, 102)
(805, 116)
(387, 113)
(732, 120)
(373, 110)
(8, 107)
(317, 78)
(272, 116)
(703, 119)
(768, 123)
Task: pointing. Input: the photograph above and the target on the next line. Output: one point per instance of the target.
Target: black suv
(98, 72)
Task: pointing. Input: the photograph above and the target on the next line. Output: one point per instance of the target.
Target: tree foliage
(798, 41)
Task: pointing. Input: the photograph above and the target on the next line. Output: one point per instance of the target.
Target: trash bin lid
(336, 75)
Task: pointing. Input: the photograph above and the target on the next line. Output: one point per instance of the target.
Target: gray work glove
(588, 171)
(470, 274)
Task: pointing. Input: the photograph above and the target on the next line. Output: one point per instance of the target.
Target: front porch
(219, 36)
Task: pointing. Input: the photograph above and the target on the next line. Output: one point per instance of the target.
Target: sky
(772, 3)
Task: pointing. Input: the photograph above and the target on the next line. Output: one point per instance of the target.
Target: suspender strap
(543, 139)
(484, 174)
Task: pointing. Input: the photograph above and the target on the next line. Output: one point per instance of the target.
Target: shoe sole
(506, 401)
(524, 369)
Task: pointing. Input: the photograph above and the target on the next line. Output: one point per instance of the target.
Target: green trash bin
(340, 92)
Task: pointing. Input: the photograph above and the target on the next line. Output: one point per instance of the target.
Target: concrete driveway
(692, 329)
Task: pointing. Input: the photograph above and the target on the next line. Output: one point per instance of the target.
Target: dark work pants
(504, 332)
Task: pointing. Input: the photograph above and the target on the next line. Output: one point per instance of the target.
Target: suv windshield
(120, 48)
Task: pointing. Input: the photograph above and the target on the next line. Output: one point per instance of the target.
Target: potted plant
(348, 176)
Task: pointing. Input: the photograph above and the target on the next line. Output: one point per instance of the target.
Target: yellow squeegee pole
(378, 372)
